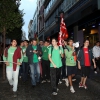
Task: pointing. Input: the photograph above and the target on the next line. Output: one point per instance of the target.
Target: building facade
(34, 28)
(23, 35)
(40, 16)
(82, 19)
(30, 34)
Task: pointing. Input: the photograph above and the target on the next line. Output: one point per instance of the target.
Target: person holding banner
(70, 56)
(13, 59)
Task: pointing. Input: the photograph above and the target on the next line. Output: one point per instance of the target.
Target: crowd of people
(48, 62)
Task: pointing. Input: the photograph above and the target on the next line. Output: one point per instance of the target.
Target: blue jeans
(35, 73)
(25, 68)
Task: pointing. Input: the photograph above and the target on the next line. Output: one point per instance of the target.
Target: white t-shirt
(96, 51)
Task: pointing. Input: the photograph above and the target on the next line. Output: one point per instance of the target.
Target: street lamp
(58, 17)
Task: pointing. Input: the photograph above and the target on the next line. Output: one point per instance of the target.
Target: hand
(7, 63)
(73, 48)
(95, 66)
(55, 66)
(60, 51)
(74, 54)
(34, 51)
(24, 52)
(97, 58)
(79, 67)
(19, 63)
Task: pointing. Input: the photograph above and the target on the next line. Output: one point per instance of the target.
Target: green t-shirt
(11, 51)
(25, 58)
(56, 57)
(35, 57)
(45, 53)
(69, 58)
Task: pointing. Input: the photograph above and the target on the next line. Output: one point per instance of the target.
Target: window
(39, 3)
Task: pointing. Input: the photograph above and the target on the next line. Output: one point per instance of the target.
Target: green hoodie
(69, 58)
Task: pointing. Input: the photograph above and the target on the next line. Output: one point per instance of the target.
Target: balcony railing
(47, 11)
(67, 4)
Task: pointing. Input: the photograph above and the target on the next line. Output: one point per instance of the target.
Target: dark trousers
(64, 71)
(45, 69)
(25, 67)
(20, 71)
(97, 64)
(55, 76)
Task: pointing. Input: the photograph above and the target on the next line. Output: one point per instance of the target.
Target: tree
(10, 18)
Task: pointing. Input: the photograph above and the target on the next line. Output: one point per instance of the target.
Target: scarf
(17, 55)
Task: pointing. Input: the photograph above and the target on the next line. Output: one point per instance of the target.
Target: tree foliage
(10, 15)
(11, 21)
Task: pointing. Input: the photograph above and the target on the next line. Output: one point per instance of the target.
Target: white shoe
(57, 89)
(72, 89)
(43, 81)
(63, 79)
(54, 93)
(66, 82)
(95, 72)
(60, 82)
(73, 80)
(48, 81)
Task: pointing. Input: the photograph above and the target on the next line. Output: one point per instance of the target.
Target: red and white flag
(63, 34)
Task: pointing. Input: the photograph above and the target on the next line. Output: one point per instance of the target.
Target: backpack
(66, 48)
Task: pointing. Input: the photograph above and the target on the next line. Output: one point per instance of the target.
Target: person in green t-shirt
(13, 59)
(55, 54)
(70, 56)
(21, 70)
(33, 52)
(25, 65)
(45, 63)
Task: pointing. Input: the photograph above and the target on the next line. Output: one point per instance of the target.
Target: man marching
(13, 59)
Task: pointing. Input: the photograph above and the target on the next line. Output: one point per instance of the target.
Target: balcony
(41, 12)
(45, 2)
(67, 4)
(48, 11)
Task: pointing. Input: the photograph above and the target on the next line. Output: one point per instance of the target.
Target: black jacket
(80, 56)
(29, 53)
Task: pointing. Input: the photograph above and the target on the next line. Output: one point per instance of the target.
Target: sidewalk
(43, 91)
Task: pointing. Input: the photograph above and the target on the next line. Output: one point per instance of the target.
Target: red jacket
(17, 55)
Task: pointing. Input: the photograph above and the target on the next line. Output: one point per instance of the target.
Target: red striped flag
(63, 34)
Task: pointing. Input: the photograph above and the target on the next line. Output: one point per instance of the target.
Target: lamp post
(58, 19)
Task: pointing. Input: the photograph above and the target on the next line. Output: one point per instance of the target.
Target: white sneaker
(73, 80)
(54, 93)
(60, 82)
(63, 79)
(72, 89)
(66, 82)
(43, 81)
(48, 81)
(57, 89)
(95, 72)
